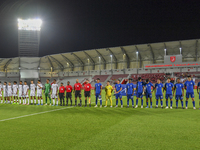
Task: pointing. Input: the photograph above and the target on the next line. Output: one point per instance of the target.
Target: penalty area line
(34, 114)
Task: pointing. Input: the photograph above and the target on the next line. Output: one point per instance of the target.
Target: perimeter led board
(30, 24)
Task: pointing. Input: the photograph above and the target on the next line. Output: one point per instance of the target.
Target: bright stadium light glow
(110, 55)
(180, 49)
(30, 24)
(137, 52)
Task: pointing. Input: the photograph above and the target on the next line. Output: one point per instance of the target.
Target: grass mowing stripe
(34, 114)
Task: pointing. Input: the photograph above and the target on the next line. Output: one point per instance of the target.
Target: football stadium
(139, 96)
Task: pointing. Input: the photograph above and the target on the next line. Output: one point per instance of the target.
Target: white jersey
(15, 88)
(54, 88)
(5, 93)
(32, 88)
(10, 90)
(39, 89)
(1, 90)
(20, 88)
(25, 90)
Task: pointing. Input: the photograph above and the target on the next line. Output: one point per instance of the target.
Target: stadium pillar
(196, 51)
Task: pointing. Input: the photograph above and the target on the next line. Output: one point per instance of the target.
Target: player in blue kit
(179, 92)
(118, 95)
(97, 92)
(168, 88)
(198, 87)
(140, 91)
(159, 94)
(148, 85)
(130, 87)
(189, 86)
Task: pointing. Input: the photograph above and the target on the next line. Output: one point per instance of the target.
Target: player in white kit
(10, 93)
(20, 96)
(15, 91)
(1, 89)
(5, 94)
(54, 88)
(39, 92)
(32, 92)
(25, 88)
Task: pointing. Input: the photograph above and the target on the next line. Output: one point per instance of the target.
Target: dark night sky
(74, 25)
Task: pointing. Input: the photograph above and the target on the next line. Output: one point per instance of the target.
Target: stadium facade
(132, 59)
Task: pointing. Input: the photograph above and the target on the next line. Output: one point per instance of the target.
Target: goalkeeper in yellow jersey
(108, 90)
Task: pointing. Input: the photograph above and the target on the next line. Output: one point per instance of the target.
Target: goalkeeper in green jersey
(47, 91)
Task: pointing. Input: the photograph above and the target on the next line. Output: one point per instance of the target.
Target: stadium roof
(146, 52)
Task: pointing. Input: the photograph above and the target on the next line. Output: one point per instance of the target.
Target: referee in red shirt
(69, 92)
(77, 92)
(87, 92)
(62, 94)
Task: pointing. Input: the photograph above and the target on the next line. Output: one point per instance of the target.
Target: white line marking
(37, 113)
(34, 114)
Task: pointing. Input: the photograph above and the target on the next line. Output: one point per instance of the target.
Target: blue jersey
(198, 85)
(159, 88)
(148, 87)
(140, 86)
(118, 87)
(190, 86)
(179, 87)
(130, 87)
(98, 87)
(169, 87)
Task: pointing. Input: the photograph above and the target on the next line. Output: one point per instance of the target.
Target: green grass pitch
(99, 128)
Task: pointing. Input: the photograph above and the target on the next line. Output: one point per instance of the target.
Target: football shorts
(39, 94)
(87, 93)
(32, 93)
(188, 95)
(139, 95)
(148, 95)
(54, 96)
(118, 96)
(25, 95)
(168, 96)
(5, 94)
(69, 95)
(77, 94)
(20, 94)
(10, 94)
(108, 97)
(129, 96)
(159, 97)
(97, 94)
(14, 94)
(179, 97)
(61, 95)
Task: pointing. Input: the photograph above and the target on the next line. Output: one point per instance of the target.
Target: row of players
(140, 89)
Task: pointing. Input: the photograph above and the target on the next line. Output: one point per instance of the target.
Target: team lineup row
(141, 88)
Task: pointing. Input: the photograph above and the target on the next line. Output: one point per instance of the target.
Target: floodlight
(30, 24)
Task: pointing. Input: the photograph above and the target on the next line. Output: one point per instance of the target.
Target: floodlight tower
(29, 37)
